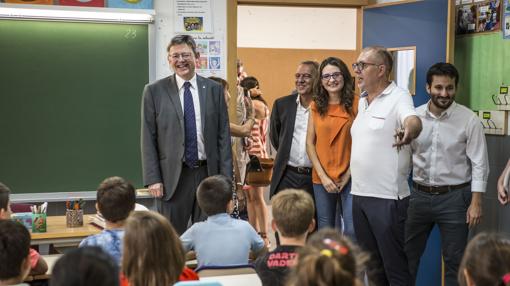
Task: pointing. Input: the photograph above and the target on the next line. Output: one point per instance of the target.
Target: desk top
(56, 228)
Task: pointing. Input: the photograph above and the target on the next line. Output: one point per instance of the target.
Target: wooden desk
(58, 233)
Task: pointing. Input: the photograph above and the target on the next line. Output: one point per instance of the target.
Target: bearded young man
(450, 171)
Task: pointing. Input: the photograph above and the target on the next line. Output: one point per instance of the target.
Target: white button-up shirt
(198, 116)
(298, 156)
(377, 168)
(451, 149)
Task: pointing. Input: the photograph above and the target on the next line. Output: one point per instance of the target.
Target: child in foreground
(293, 219)
(37, 263)
(115, 201)
(328, 259)
(486, 261)
(14, 253)
(153, 254)
(209, 238)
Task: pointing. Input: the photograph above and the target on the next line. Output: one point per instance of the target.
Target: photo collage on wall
(478, 16)
(211, 61)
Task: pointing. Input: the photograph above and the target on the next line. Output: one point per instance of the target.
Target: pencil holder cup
(74, 218)
(38, 222)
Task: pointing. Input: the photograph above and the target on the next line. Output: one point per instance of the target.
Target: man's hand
(474, 212)
(411, 130)
(402, 137)
(502, 194)
(156, 190)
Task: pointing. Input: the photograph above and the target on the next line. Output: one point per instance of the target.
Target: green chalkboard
(70, 98)
(483, 62)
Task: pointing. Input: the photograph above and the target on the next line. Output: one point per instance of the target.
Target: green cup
(38, 222)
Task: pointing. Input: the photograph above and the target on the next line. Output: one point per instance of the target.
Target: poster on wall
(466, 19)
(480, 16)
(506, 20)
(193, 16)
(488, 16)
(212, 61)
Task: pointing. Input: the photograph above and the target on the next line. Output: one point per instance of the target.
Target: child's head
(83, 266)
(486, 261)
(214, 194)
(293, 212)
(328, 258)
(5, 208)
(153, 253)
(14, 249)
(115, 199)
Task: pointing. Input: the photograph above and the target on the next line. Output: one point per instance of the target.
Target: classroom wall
(275, 68)
(163, 31)
(273, 40)
(484, 64)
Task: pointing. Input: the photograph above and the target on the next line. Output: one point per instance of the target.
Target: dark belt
(438, 190)
(199, 163)
(300, 170)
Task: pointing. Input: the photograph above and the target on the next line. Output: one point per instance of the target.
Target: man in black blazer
(185, 135)
(289, 120)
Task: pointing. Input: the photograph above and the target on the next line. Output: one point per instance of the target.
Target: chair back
(21, 208)
(198, 283)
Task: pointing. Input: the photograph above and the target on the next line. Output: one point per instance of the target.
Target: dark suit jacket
(162, 136)
(281, 131)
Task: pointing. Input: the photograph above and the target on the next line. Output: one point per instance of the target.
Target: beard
(442, 102)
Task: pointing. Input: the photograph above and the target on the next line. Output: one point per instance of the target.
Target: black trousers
(448, 211)
(183, 204)
(295, 180)
(379, 226)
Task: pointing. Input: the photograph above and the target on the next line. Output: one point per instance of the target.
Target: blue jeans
(334, 209)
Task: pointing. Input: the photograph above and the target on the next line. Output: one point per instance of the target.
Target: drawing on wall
(211, 61)
(480, 16)
(202, 46)
(214, 63)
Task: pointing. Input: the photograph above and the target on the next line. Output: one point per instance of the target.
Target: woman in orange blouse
(328, 145)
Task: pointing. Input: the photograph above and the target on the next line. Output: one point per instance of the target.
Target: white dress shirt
(198, 114)
(451, 149)
(298, 156)
(377, 168)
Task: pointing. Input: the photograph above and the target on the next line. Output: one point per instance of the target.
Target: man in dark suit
(185, 135)
(289, 121)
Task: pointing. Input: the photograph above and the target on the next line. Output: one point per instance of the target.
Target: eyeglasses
(334, 76)
(362, 65)
(184, 56)
(304, 76)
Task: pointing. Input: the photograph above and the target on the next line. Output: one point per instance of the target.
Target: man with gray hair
(380, 165)
(185, 135)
